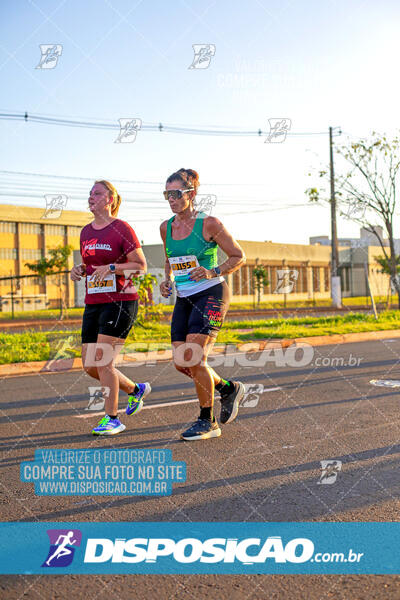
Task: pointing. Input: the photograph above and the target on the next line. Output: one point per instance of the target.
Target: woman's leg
(108, 374)
(186, 370)
(125, 384)
(190, 358)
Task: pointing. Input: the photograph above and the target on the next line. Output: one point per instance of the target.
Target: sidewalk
(75, 364)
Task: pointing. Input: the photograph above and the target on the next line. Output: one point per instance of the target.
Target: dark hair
(188, 177)
(113, 194)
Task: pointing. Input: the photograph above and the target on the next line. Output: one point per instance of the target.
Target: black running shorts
(203, 312)
(109, 318)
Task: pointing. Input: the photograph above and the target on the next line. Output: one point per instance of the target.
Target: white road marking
(160, 405)
(392, 383)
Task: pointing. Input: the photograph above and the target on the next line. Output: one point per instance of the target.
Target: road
(264, 467)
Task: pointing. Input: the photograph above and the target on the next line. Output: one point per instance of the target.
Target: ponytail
(189, 178)
(116, 198)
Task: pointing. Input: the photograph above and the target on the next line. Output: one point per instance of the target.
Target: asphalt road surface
(264, 467)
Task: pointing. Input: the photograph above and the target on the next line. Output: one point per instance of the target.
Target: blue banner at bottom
(202, 547)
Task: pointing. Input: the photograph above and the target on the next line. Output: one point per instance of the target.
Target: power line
(160, 127)
(116, 179)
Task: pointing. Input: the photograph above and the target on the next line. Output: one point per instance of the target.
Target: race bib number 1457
(107, 285)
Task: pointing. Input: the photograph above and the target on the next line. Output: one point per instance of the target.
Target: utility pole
(336, 292)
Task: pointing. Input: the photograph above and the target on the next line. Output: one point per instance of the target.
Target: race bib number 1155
(182, 265)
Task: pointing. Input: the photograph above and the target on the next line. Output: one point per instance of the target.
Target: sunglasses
(175, 194)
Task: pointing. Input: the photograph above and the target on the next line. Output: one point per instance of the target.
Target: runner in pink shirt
(110, 250)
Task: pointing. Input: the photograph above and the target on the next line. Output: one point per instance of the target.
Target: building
(308, 268)
(357, 258)
(367, 238)
(26, 235)
(294, 271)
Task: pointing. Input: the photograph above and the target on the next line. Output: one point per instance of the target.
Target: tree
(260, 279)
(54, 265)
(383, 262)
(148, 311)
(366, 190)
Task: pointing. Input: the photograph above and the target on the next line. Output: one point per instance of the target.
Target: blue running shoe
(135, 401)
(202, 429)
(108, 426)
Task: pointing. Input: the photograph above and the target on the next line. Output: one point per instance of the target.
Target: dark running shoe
(202, 429)
(230, 403)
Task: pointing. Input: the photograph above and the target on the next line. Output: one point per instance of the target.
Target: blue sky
(319, 64)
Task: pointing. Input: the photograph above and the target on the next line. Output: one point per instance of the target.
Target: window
(268, 287)
(31, 254)
(8, 253)
(273, 279)
(28, 281)
(245, 280)
(32, 228)
(300, 285)
(7, 227)
(251, 278)
(236, 283)
(74, 231)
(316, 279)
(326, 279)
(55, 229)
(345, 278)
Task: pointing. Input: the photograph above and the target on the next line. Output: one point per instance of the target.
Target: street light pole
(336, 293)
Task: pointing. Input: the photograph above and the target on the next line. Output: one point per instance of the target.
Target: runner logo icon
(63, 543)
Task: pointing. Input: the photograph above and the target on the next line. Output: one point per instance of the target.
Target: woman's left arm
(215, 231)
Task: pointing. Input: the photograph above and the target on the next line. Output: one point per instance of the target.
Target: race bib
(107, 285)
(182, 265)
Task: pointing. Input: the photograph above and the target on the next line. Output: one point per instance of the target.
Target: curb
(75, 364)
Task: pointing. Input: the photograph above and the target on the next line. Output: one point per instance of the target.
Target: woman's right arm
(78, 272)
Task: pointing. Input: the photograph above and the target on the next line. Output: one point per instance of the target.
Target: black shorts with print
(109, 318)
(203, 312)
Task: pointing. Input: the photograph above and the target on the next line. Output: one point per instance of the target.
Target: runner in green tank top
(191, 240)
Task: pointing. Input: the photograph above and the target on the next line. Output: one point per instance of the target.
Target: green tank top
(192, 245)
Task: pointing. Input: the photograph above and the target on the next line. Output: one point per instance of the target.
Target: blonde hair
(113, 194)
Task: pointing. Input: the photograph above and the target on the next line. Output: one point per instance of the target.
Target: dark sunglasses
(175, 194)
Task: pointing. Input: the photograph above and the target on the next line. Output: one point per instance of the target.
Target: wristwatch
(112, 268)
(217, 271)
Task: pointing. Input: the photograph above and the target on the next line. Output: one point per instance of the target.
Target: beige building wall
(26, 236)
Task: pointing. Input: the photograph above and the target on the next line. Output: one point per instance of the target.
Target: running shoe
(202, 429)
(135, 401)
(230, 402)
(108, 426)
